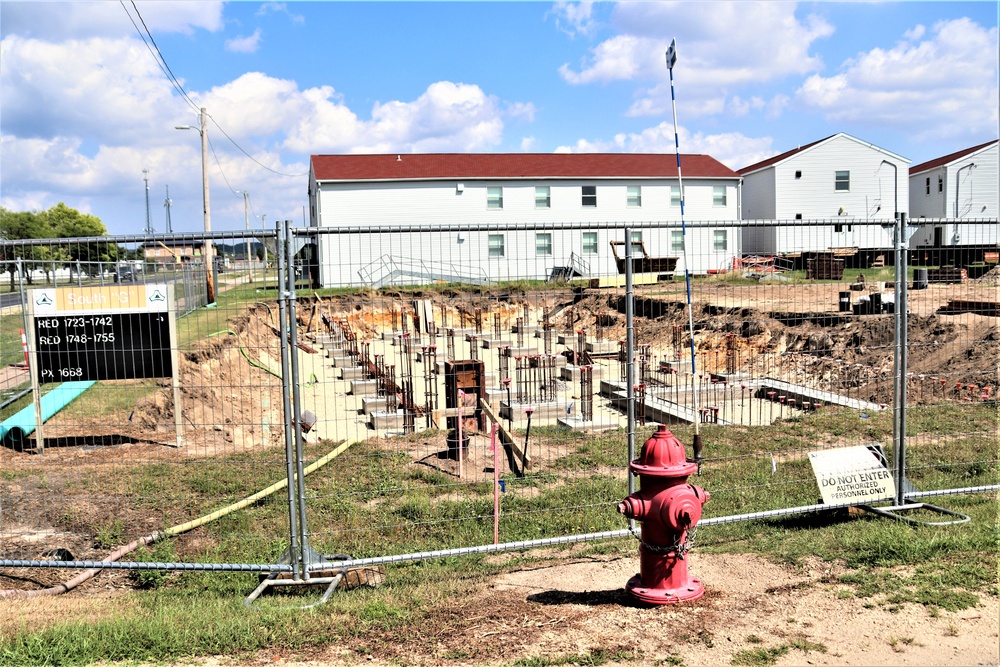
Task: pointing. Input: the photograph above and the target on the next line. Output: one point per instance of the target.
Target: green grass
(374, 501)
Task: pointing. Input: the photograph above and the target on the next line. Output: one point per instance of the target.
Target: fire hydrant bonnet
(663, 455)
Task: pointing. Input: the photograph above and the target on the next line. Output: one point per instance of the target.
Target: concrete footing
(592, 426)
(547, 410)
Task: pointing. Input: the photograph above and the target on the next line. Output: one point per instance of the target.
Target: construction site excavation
(449, 364)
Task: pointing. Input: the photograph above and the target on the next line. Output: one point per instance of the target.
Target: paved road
(10, 300)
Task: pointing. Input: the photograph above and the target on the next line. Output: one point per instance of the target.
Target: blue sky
(84, 107)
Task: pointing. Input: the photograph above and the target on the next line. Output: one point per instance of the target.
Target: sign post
(118, 332)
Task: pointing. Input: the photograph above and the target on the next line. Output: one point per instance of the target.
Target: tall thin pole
(246, 223)
(629, 360)
(166, 204)
(671, 60)
(207, 251)
(149, 224)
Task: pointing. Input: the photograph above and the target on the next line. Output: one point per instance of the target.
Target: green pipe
(17, 428)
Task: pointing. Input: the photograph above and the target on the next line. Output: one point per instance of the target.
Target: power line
(273, 171)
(154, 50)
(165, 68)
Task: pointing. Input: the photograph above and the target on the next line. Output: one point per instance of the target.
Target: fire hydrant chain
(680, 547)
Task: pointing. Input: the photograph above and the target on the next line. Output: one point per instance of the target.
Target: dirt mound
(991, 277)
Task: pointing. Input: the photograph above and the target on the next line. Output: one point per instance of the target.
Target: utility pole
(207, 250)
(149, 224)
(246, 223)
(166, 204)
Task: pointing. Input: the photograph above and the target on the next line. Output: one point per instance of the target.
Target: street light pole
(207, 251)
(246, 224)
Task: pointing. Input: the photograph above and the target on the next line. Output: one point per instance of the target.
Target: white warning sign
(851, 475)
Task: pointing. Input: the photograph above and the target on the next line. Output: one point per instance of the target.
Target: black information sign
(103, 346)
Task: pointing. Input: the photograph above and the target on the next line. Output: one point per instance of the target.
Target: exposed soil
(578, 607)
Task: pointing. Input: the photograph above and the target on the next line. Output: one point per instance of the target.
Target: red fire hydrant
(668, 507)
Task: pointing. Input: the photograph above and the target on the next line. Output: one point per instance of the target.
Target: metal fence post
(899, 393)
(294, 553)
(289, 339)
(630, 359)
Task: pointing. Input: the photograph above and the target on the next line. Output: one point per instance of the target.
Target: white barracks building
(522, 198)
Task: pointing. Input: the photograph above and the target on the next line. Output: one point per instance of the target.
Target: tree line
(58, 222)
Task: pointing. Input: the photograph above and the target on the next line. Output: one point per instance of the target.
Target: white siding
(922, 203)
(876, 189)
(758, 204)
(436, 203)
(969, 193)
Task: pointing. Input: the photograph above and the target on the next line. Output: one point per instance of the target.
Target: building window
(590, 195)
(494, 197)
(676, 240)
(940, 184)
(634, 196)
(718, 195)
(543, 244)
(798, 216)
(543, 196)
(675, 195)
(496, 245)
(842, 181)
(928, 189)
(720, 240)
(590, 243)
(637, 248)
(838, 228)
(798, 174)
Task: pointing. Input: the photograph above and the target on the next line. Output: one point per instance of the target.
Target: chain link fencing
(476, 388)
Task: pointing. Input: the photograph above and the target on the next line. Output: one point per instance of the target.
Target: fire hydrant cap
(663, 455)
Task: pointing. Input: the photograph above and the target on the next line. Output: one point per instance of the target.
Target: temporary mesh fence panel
(465, 385)
(117, 463)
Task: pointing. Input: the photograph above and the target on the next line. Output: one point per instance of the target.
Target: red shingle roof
(433, 166)
(945, 159)
(778, 158)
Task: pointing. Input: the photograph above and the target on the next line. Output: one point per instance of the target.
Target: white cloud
(446, 117)
(68, 89)
(733, 149)
(575, 18)
(279, 8)
(944, 86)
(82, 132)
(67, 20)
(707, 73)
(915, 33)
(248, 44)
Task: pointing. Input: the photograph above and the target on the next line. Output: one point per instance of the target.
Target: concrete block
(352, 373)
(547, 410)
(495, 343)
(593, 426)
(602, 347)
(381, 420)
(370, 404)
(363, 387)
(571, 374)
(341, 360)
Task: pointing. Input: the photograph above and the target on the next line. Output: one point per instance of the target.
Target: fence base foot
(273, 580)
(898, 512)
